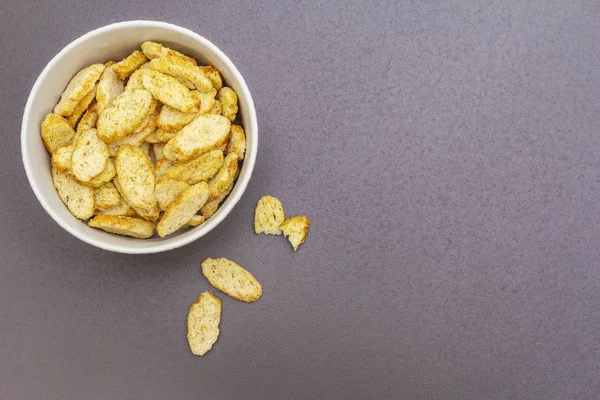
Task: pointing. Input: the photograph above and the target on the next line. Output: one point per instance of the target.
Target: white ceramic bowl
(114, 42)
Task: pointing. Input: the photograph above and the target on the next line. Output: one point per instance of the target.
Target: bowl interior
(114, 42)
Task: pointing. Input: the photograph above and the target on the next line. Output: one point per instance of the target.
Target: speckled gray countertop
(448, 154)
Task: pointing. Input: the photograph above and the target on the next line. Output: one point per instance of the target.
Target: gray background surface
(448, 156)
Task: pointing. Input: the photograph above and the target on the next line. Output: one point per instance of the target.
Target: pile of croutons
(269, 219)
(232, 279)
(205, 314)
(148, 143)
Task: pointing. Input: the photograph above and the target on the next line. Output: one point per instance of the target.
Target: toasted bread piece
(237, 141)
(107, 196)
(196, 220)
(90, 156)
(203, 323)
(228, 99)
(180, 68)
(81, 107)
(212, 206)
(122, 209)
(56, 132)
(62, 158)
(135, 176)
(198, 169)
(164, 136)
(224, 178)
(78, 198)
(268, 216)
(154, 50)
(173, 120)
(125, 67)
(182, 209)
(110, 86)
(170, 91)
(296, 230)
(161, 167)
(125, 116)
(79, 86)
(126, 226)
(167, 190)
(157, 148)
(217, 108)
(203, 134)
(230, 278)
(105, 176)
(213, 74)
(89, 119)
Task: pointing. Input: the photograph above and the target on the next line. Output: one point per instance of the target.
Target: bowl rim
(165, 244)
